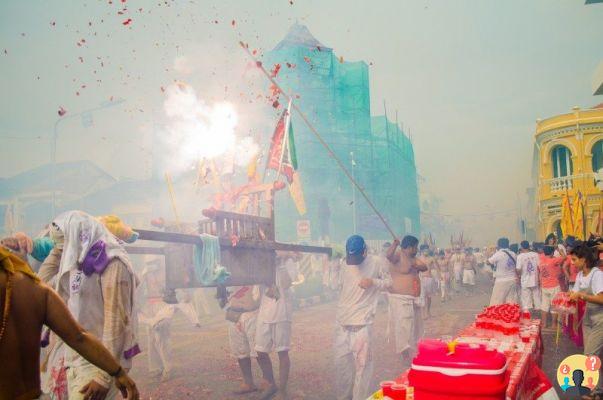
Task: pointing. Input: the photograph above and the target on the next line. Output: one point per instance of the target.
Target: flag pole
(285, 141)
(320, 139)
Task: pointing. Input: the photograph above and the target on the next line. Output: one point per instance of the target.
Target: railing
(561, 184)
(564, 183)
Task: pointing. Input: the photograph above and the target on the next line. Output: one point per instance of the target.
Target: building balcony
(567, 183)
(561, 184)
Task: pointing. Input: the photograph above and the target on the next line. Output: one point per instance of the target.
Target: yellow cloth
(297, 194)
(567, 219)
(578, 217)
(117, 227)
(11, 264)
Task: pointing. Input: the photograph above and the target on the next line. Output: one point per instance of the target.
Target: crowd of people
(69, 325)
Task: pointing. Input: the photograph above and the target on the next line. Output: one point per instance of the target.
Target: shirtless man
(405, 315)
(27, 305)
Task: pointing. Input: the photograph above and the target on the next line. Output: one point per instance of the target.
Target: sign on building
(303, 229)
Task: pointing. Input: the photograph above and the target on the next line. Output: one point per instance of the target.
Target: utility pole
(53, 145)
(353, 192)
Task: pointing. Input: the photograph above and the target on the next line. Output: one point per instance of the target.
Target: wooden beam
(145, 250)
(171, 237)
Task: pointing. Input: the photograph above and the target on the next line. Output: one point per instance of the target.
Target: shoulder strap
(510, 256)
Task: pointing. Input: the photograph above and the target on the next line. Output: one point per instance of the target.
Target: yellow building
(568, 151)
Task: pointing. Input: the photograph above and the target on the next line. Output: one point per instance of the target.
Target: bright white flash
(197, 130)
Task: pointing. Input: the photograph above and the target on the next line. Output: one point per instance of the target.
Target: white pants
(405, 321)
(504, 292)
(353, 362)
(469, 277)
(241, 336)
(547, 298)
(530, 298)
(80, 376)
(273, 337)
(159, 346)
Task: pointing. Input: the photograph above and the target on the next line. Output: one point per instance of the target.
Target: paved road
(205, 370)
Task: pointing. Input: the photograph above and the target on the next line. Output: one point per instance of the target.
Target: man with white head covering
(96, 280)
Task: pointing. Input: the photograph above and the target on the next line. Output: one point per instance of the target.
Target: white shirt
(357, 306)
(594, 280)
(527, 265)
(281, 310)
(505, 262)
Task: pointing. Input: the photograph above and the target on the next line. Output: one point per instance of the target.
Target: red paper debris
(254, 52)
(276, 104)
(289, 65)
(62, 111)
(274, 72)
(127, 22)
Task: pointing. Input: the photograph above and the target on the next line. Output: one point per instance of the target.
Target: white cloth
(527, 266)
(405, 321)
(79, 377)
(241, 335)
(353, 362)
(87, 297)
(159, 346)
(504, 291)
(469, 277)
(505, 263)
(594, 279)
(457, 261)
(530, 298)
(547, 297)
(271, 337)
(281, 310)
(358, 306)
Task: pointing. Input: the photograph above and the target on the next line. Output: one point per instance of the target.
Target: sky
(467, 78)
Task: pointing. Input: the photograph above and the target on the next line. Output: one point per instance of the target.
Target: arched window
(597, 152)
(561, 158)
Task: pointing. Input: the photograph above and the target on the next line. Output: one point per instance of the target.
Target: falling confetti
(276, 104)
(61, 111)
(127, 22)
(233, 22)
(289, 65)
(274, 72)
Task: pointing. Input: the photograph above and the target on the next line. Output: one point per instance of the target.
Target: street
(204, 369)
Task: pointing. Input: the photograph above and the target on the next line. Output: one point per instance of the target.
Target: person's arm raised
(60, 321)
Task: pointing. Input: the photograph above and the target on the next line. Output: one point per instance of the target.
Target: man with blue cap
(359, 282)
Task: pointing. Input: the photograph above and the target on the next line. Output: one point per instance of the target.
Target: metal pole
(53, 148)
(353, 193)
(321, 140)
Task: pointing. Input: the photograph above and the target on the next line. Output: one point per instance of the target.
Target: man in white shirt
(273, 328)
(505, 283)
(457, 263)
(360, 282)
(527, 267)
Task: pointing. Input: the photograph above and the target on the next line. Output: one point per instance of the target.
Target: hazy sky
(469, 78)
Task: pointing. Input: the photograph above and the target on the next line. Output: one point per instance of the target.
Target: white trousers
(353, 362)
(159, 346)
(504, 292)
(78, 377)
(405, 321)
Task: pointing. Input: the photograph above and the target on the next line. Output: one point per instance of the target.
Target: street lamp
(53, 148)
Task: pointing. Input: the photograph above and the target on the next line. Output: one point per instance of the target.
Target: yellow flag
(297, 194)
(567, 225)
(578, 219)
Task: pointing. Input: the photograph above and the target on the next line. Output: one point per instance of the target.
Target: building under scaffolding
(335, 96)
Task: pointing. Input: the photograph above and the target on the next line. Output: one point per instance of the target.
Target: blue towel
(41, 248)
(206, 260)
